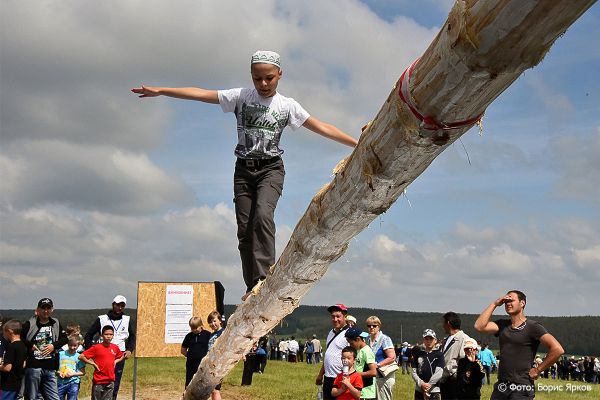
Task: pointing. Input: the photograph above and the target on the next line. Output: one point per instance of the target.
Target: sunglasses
(372, 326)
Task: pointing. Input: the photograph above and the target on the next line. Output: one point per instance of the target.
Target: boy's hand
(146, 91)
(48, 350)
(127, 354)
(96, 367)
(346, 382)
(426, 387)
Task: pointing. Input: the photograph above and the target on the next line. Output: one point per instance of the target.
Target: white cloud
(66, 81)
(87, 191)
(468, 271)
(50, 249)
(87, 177)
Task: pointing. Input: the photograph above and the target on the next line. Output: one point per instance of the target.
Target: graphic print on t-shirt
(261, 127)
(41, 341)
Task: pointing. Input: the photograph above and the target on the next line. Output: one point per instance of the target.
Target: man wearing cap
(124, 336)
(519, 339)
(43, 336)
(336, 341)
(453, 349)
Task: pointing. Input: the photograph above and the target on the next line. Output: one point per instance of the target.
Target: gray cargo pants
(257, 186)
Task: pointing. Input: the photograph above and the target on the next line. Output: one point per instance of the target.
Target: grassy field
(163, 378)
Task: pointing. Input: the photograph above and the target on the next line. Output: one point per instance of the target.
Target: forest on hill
(579, 335)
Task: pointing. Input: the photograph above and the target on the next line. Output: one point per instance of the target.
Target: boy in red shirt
(103, 357)
(348, 384)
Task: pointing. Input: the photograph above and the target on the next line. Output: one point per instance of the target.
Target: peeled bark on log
(481, 49)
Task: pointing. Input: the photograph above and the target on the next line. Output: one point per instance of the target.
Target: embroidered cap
(45, 303)
(120, 299)
(429, 333)
(266, 57)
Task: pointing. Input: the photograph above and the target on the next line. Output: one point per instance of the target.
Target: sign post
(163, 313)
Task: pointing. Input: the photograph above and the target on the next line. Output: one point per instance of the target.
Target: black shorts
(327, 387)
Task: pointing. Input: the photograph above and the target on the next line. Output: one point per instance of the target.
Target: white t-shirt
(332, 362)
(448, 341)
(261, 120)
(283, 345)
(293, 346)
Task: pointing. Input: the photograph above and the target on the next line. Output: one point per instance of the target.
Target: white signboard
(175, 333)
(179, 313)
(180, 294)
(179, 310)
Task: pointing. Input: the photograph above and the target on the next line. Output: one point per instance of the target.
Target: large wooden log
(481, 49)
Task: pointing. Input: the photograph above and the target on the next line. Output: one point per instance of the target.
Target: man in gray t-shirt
(518, 347)
(519, 340)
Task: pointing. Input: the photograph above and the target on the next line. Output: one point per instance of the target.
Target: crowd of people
(41, 360)
(362, 364)
(291, 350)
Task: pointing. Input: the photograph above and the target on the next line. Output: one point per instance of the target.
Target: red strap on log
(427, 122)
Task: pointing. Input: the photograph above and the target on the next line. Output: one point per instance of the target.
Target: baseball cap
(429, 332)
(350, 318)
(45, 303)
(405, 344)
(338, 307)
(354, 333)
(119, 299)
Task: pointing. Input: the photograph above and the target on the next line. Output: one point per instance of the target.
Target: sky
(100, 189)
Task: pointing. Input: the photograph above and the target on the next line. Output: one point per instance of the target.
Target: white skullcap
(266, 57)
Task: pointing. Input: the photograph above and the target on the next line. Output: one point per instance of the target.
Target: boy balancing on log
(262, 114)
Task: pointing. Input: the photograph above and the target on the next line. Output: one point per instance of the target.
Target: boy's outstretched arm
(187, 93)
(329, 131)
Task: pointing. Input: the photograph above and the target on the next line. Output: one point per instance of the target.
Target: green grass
(163, 378)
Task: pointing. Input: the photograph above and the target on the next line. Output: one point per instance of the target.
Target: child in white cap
(427, 368)
(262, 114)
(470, 372)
